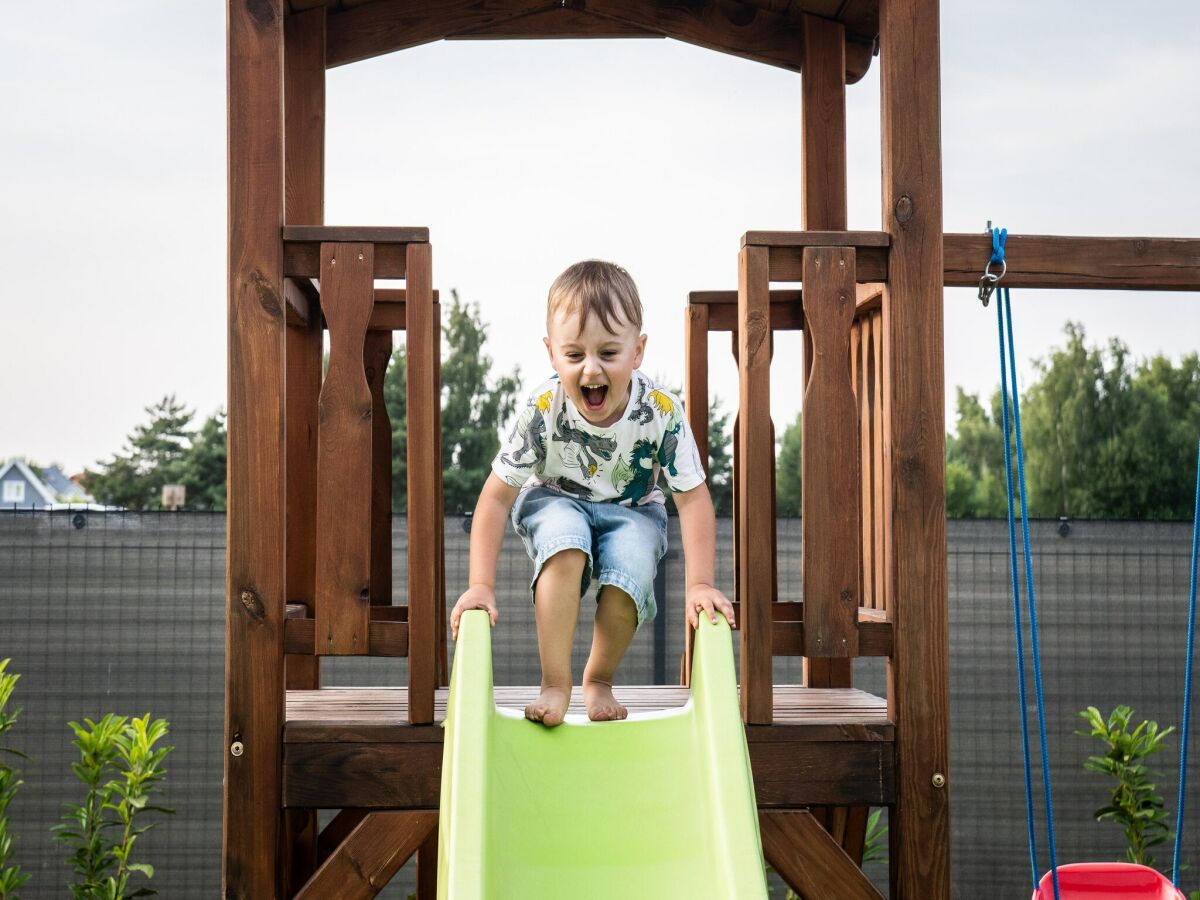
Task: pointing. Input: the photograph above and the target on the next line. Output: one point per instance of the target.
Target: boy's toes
(602, 706)
(549, 708)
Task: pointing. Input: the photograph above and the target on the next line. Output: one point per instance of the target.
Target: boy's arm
(487, 534)
(698, 525)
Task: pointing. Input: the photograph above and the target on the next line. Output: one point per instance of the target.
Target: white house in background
(21, 486)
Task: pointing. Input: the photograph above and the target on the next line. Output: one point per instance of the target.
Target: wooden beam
(372, 29)
(809, 860)
(373, 852)
(427, 867)
(338, 829)
(557, 22)
(919, 826)
(787, 311)
(823, 126)
(832, 546)
(384, 638)
(1054, 261)
(344, 455)
(304, 196)
(756, 464)
(377, 354)
(423, 402)
(255, 560)
(695, 389)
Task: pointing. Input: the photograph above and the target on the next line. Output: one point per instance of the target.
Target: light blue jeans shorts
(624, 543)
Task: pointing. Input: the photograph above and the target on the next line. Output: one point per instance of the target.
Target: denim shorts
(624, 543)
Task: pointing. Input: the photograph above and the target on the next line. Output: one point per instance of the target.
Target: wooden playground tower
(309, 557)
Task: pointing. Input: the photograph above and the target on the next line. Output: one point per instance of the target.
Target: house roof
(27, 473)
(61, 484)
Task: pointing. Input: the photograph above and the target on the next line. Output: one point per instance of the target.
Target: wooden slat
(372, 29)
(423, 479)
(860, 347)
(338, 829)
(344, 457)
(787, 312)
(1059, 261)
(695, 389)
(373, 852)
(380, 715)
(427, 867)
(377, 353)
(382, 638)
(914, 376)
(255, 520)
(823, 131)
(302, 259)
(355, 234)
(755, 465)
(443, 651)
(304, 170)
(809, 859)
(798, 240)
(787, 263)
(406, 774)
(832, 554)
(880, 470)
(557, 22)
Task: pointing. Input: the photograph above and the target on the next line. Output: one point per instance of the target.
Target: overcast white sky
(523, 157)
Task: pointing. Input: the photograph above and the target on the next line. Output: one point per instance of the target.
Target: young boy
(582, 466)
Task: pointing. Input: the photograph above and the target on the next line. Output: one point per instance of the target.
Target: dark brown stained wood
(695, 401)
(304, 150)
(787, 633)
(406, 774)
(755, 465)
(443, 652)
(868, 297)
(557, 22)
(338, 830)
(854, 833)
(427, 867)
(809, 859)
(255, 564)
(373, 29)
(787, 312)
(377, 353)
(860, 339)
(422, 343)
(832, 562)
(787, 263)
(1059, 261)
(881, 470)
(919, 825)
(379, 715)
(823, 131)
(368, 858)
(860, 240)
(383, 638)
(344, 456)
(355, 234)
(302, 259)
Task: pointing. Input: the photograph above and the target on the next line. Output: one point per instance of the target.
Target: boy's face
(595, 365)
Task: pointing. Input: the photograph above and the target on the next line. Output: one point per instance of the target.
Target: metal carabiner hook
(989, 279)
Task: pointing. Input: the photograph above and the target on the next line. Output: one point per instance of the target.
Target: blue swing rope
(1004, 323)
(1187, 678)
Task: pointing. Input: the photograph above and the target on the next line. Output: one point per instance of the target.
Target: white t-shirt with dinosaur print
(553, 445)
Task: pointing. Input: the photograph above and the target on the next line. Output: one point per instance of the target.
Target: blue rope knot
(999, 237)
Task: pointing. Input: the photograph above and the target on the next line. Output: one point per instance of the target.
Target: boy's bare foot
(550, 706)
(601, 705)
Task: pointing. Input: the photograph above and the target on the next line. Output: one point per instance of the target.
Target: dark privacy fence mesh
(124, 612)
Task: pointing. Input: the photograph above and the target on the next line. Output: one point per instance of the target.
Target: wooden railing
(350, 610)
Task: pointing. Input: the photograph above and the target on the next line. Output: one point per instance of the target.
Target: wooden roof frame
(766, 31)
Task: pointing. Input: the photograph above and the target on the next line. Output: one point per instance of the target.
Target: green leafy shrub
(11, 876)
(120, 764)
(1134, 804)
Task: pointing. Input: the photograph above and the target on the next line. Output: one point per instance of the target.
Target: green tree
(153, 456)
(203, 469)
(975, 460)
(787, 469)
(474, 406)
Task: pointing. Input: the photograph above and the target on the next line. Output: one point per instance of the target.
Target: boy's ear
(549, 349)
(641, 349)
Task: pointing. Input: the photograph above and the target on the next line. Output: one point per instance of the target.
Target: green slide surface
(660, 805)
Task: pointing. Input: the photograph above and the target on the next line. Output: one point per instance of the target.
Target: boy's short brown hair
(596, 286)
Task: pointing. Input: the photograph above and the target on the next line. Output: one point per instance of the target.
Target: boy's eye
(575, 356)
(608, 354)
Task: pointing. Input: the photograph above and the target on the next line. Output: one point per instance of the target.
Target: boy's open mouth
(594, 396)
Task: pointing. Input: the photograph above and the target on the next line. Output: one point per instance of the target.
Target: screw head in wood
(939, 780)
(237, 748)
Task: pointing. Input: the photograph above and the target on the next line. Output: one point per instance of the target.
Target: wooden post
(377, 353)
(919, 827)
(255, 520)
(695, 399)
(755, 466)
(304, 196)
(423, 481)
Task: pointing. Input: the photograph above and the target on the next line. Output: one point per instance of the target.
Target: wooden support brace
(344, 456)
(808, 858)
(830, 493)
(695, 390)
(370, 855)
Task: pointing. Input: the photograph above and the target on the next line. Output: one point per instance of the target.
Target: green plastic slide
(660, 805)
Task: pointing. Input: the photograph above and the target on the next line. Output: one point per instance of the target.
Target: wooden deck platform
(353, 747)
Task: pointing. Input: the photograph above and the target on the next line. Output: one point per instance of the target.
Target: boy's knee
(569, 560)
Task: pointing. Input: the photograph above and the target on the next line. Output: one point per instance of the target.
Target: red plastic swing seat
(1106, 880)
